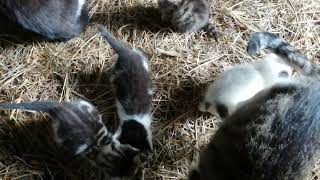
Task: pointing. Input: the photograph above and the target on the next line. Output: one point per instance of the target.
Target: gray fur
(53, 19)
(262, 40)
(78, 127)
(133, 89)
(272, 136)
(188, 15)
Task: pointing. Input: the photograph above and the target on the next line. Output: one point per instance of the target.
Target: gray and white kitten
(273, 135)
(52, 19)
(188, 15)
(133, 89)
(78, 127)
(242, 82)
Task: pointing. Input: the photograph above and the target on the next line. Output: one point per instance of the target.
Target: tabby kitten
(188, 16)
(78, 127)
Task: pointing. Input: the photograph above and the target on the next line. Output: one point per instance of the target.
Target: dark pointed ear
(76, 125)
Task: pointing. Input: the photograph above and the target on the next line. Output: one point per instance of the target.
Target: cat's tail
(267, 40)
(42, 106)
(212, 31)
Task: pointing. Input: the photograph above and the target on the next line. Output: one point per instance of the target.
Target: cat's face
(117, 160)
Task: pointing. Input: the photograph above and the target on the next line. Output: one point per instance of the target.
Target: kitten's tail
(212, 31)
(263, 40)
(43, 106)
(118, 46)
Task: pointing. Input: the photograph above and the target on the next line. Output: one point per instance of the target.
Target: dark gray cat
(133, 89)
(188, 15)
(78, 127)
(52, 19)
(274, 135)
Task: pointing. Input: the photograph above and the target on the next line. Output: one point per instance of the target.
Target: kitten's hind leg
(212, 31)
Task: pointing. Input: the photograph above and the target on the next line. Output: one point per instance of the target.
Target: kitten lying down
(275, 134)
(78, 127)
(242, 82)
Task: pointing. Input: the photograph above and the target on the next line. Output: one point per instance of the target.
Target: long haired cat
(188, 15)
(133, 89)
(52, 19)
(77, 126)
(273, 135)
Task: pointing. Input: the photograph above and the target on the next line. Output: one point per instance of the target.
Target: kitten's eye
(283, 74)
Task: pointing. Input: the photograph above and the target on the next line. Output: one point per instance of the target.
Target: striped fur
(78, 127)
(272, 136)
(188, 16)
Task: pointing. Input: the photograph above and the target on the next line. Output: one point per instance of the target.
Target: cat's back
(273, 139)
(53, 19)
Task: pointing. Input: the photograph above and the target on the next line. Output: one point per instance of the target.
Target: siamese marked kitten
(242, 82)
(273, 135)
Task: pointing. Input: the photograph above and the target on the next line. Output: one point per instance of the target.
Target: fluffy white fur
(244, 81)
(144, 119)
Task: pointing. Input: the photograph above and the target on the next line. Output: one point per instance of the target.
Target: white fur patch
(55, 126)
(86, 104)
(81, 148)
(143, 119)
(79, 8)
(144, 59)
(150, 92)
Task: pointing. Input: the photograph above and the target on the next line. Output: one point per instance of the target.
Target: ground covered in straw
(182, 65)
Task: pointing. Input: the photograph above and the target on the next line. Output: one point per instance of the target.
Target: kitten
(78, 127)
(273, 135)
(133, 90)
(52, 19)
(188, 15)
(242, 82)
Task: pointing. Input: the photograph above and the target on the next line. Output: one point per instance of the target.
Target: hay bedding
(182, 65)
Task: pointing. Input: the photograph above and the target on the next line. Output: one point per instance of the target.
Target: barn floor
(182, 65)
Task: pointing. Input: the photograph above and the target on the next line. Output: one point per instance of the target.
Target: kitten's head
(118, 161)
(167, 8)
(89, 137)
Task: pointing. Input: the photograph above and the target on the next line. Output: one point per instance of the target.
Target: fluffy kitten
(188, 15)
(133, 90)
(78, 127)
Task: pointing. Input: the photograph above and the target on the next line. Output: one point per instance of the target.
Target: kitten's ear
(76, 125)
